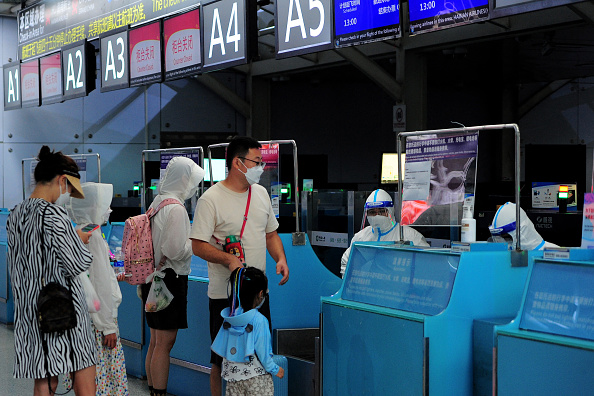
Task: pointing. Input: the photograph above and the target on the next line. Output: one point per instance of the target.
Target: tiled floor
(10, 386)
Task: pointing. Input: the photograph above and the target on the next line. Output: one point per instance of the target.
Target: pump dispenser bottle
(468, 222)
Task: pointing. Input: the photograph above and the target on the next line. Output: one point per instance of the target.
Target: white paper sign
(417, 180)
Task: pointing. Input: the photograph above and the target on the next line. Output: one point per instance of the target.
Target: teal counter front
(549, 348)
(402, 321)
(6, 299)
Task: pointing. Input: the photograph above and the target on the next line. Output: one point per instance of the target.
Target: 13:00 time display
(427, 6)
(350, 22)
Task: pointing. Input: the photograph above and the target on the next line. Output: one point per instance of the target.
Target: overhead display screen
(145, 54)
(426, 16)
(357, 21)
(115, 65)
(77, 80)
(12, 86)
(51, 78)
(303, 27)
(30, 83)
(182, 45)
(225, 34)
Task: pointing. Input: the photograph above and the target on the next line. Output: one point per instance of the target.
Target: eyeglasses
(377, 212)
(258, 163)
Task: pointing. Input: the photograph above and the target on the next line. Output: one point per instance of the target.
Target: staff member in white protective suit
(379, 211)
(504, 225)
(110, 376)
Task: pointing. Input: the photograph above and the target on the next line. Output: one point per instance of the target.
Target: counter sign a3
(114, 61)
(78, 69)
(12, 86)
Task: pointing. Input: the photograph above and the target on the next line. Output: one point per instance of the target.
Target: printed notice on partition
(417, 180)
(588, 222)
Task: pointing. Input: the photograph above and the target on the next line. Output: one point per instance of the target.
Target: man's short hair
(239, 147)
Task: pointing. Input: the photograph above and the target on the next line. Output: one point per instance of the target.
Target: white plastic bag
(159, 296)
(93, 302)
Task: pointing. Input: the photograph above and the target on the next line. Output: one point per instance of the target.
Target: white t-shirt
(219, 212)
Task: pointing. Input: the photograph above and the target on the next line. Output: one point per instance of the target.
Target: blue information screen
(560, 300)
(400, 279)
(361, 21)
(434, 14)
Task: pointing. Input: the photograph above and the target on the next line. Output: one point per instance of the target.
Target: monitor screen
(219, 170)
(145, 54)
(51, 78)
(30, 83)
(182, 45)
(390, 167)
(356, 23)
(426, 16)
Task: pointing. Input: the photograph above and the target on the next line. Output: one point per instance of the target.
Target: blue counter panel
(4, 277)
(385, 354)
(184, 381)
(527, 367)
(130, 314)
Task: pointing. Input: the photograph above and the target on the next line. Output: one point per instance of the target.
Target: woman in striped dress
(63, 255)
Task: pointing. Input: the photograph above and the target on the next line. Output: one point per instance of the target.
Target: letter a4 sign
(303, 26)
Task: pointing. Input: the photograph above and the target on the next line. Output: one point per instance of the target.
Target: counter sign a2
(12, 86)
(78, 69)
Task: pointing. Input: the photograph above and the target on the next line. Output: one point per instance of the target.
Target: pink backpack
(137, 245)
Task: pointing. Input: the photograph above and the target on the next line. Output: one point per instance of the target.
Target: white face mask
(192, 192)
(64, 197)
(252, 175)
(382, 222)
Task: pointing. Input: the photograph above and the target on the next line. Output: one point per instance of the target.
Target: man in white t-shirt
(220, 214)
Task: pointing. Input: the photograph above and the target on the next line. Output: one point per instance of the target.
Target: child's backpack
(137, 245)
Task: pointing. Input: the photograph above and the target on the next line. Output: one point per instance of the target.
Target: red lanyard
(247, 208)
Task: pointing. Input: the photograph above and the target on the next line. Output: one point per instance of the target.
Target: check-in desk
(295, 305)
(402, 321)
(549, 348)
(6, 299)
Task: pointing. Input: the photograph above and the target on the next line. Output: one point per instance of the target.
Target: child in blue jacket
(244, 340)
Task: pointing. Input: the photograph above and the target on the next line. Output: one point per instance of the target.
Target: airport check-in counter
(402, 321)
(294, 306)
(549, 348)
(6, 299)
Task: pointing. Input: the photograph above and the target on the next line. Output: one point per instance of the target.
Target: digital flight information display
(364, 21)
(431, 15)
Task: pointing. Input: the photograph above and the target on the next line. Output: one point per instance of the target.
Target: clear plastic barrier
(114, 240)
(401, 279)
(560, 299)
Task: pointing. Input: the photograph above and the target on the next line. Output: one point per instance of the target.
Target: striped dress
(65, 255)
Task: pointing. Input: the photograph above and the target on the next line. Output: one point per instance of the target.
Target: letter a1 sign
(12, 86)
(303, 26)
(399, 118)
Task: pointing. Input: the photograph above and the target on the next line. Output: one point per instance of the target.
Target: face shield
(379, 215)
(503, 234)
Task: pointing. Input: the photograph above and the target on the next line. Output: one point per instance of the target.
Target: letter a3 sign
(303, 26)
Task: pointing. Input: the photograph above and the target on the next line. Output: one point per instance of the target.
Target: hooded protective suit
(504, 222)
(93, 209)
(171, 227)
(381, 228)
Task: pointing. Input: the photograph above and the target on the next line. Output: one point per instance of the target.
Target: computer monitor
(389, 172)
(219, 170)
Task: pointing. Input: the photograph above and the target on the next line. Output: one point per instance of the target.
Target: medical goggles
(380, 204)
(506, 229)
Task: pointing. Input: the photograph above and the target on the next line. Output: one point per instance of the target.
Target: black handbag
(55, 309)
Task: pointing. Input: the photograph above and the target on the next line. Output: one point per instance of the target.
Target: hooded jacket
(170, 227)
(239, 341)
(93, 209)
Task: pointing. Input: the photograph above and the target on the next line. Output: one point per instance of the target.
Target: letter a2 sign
(12, 86)
(303, 26)
(78, 66)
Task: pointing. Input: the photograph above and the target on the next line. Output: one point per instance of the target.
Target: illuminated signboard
(30, 83)
(181, 38)
(12, 86)
(360, 21)
(114, 61)
(145, 54)
(431, 15)
(78, 70)
(49, 25)
(303, 27)
(227, 38)
(51, 78)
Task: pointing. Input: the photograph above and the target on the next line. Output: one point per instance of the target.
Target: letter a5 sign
(12, 86)
(303, 26)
